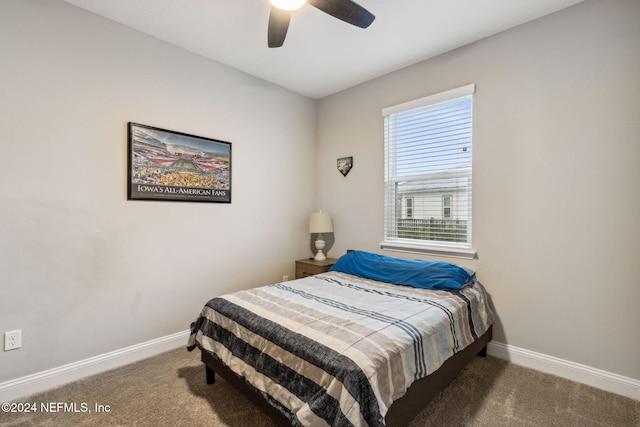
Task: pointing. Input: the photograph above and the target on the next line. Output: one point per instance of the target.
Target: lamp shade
(320, 222)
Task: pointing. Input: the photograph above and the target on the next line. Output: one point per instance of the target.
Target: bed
(368, 343)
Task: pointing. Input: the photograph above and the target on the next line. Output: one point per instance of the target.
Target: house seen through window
(428, 169)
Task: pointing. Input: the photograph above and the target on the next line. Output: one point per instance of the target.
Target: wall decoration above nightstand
(344, 165)
(167, 165)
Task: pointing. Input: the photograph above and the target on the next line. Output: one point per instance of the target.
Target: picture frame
(344, 165)
(175, 166)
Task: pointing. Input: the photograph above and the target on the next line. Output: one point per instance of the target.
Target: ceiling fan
(345, 10)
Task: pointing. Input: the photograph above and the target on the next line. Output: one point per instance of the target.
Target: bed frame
(401, 412)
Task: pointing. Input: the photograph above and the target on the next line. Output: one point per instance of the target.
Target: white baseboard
(598, 378)
(45, 380)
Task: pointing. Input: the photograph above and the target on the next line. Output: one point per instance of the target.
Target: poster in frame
(175, 166)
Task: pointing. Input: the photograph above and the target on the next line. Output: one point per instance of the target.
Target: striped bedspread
(335, 349)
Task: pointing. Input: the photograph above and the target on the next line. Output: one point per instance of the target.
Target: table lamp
(320, 222)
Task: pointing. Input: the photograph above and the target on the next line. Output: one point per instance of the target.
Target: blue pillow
(438, 275)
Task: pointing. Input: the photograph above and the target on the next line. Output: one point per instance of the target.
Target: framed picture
(344, 165)
(168, 165)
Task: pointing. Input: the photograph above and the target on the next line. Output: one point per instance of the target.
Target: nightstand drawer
(309, 267)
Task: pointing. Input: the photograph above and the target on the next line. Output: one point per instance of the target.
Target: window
(428, 161)
(409, 207)
(446, 207)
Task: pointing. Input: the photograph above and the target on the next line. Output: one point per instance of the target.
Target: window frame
(431, 247)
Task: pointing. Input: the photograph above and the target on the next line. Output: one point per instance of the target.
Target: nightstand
(309, 266)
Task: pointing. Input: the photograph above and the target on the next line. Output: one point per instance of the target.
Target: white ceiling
(321, 54)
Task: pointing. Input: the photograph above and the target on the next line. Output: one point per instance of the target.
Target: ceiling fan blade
(278, 26)
(345, 10)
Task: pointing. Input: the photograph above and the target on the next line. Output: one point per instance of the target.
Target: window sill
(446, 251)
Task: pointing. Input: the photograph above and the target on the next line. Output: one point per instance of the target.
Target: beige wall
(83, 271)
(556, 176)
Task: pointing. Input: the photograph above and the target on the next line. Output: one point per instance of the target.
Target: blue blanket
(436, 275)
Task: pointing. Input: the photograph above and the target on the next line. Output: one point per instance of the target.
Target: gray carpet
(170, 390)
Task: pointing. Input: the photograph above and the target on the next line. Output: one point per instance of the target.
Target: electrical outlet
(12, 339)
(285, 278)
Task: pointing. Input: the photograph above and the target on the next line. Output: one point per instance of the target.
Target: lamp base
(320, 246)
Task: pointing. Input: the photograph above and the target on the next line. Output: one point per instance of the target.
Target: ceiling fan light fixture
(288, 4)
(344, 10)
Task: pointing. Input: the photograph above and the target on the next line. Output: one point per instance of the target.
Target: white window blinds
(428, 160)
